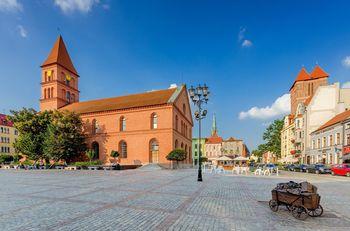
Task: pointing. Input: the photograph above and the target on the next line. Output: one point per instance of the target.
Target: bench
(59, 167)
(71, 168)
(93, 167)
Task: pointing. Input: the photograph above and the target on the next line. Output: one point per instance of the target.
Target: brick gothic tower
(59, 79)
(305, 86)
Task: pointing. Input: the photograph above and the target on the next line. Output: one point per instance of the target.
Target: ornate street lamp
(198, 96)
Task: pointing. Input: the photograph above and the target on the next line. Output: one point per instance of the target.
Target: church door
(154, 151)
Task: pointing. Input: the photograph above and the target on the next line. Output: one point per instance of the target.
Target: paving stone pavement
(159, 200)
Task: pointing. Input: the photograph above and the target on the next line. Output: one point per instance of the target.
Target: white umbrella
(241, 158)
(223, 158)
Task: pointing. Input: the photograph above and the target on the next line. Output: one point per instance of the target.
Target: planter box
(71, 168)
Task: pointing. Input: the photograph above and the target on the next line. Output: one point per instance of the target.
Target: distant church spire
(214, 129)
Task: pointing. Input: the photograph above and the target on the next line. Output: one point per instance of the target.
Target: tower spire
(214, 130)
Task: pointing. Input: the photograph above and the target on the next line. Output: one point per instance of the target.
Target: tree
(115, 154)
(64, 138)
(176, 155)
(32, 127)
(90, 154)
(272, 137)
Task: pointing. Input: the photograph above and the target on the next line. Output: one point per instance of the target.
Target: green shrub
(17, 157)
(177, 155)
(86, 164)
(5, 158)
(115, 154)
(28, 162)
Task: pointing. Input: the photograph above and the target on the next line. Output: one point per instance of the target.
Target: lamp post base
(199, 176)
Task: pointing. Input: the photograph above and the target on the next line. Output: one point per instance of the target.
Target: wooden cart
(301, 205)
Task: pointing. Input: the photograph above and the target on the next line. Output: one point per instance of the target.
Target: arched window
(51, 92)
(184, 109)
(45, 96)
(186, 148)
(154, 151)
(154, 121)
(182, 145)
(68, 96)
(176, 144)
(45, 76)
(123, 149)
(176, 123)
(93, 127)
(122, 124)
(73, 98)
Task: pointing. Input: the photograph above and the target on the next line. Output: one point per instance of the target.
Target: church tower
(59, 79)
(214, 129)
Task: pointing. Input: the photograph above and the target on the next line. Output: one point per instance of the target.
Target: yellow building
(8, 135)
(288, 140)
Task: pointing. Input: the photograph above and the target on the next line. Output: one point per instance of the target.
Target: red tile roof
(232, 139)
(336, 119)
(302, 76)
(59, 55)
(214, 139)
(318, 72)
(152, 98)
(4, 121)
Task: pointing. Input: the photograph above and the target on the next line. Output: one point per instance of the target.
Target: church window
(184, 109)
(176, 123)
(154, 121)
(68, 97)
(122, 124)
(93, 126)
(51, 92)
(123, 149)
(45, 96)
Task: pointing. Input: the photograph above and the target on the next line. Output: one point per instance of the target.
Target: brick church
(142, 127)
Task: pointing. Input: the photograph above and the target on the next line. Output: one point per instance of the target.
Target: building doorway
(96, 148)
(154, 151)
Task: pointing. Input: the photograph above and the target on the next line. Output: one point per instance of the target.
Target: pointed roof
(302, 76)
(318, 72)
(59, 55)
(214, 129)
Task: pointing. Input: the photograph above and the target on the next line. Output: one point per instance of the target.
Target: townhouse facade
(8, 135)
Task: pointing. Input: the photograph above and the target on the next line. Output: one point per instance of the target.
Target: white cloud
(346, 61)
(22, 32)
(346, 85)
(10, 5)
(69, 6)
(281, 106)
(106, 7)
(247, 43)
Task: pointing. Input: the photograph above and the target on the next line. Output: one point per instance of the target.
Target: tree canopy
(53, 135)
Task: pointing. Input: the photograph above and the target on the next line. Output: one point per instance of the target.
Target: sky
(247, 52)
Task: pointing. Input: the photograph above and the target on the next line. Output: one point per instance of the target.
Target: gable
(182, 100)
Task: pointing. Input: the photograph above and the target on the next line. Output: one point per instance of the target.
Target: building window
(176, 123)
(331, 140)
(176, 144)
(51, 92)
(324, 142)
(348, 139)
(68, 96)
(123, 149)
(313, 144)
(122, 124)
(347, 126)
(45, 96)
(184, 109)
(182, 145)
(338, 138)
(318, 143)
(93, 127)
(154, 121)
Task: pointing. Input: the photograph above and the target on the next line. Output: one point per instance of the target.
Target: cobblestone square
(159, 200)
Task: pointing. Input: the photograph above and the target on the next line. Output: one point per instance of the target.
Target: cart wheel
(289, 207)
(299, 213)
(273, 205)
(316, 212)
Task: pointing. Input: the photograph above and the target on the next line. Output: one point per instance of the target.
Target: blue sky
(248, 52)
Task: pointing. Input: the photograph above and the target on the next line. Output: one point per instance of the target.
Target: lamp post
(199, 95)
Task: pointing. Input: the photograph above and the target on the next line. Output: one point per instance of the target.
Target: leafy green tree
(115, 154)
(32, 127)
(177, 155)
(272, 137)
(64, 138)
